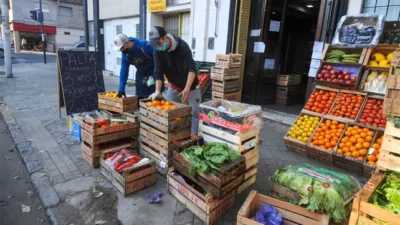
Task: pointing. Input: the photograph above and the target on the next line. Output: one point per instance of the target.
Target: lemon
(389, 57)
(299, 138)
(309, 133)
(305, 139)
(373, 63)
(378, 57)
(384, 63)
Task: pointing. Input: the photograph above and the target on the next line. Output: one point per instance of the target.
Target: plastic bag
(268, 215)
(122, 160)
(362, 30)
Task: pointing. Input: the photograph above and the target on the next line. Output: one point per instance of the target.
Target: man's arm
(123, 74)
(158, 72)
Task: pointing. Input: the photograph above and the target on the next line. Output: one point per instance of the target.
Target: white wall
(354, 7)
(112, 9)
(203, 23)
(65, 40)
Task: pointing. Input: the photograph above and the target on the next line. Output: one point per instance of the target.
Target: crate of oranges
(347, 105)
(321, 100)
(353, 148)
(372, 157)
(301, 131)
(165, 115)
(325, 139)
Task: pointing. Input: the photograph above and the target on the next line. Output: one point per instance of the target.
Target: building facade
(63, 23)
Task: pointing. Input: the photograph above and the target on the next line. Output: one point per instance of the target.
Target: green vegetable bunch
(208, 158)
(321, 190)
(387, 195)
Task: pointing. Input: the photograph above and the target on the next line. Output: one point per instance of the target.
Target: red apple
(327, 75)
(348, 82)
(347, 77)
(324, 67)
(319, 76)
(353, 79)
(339, 71)
(329, 67)
(334, 76)
(332, 72)
(346, 72)
(341, 80)
(324, 71)
(322, 79)
(340, 76)
(329, 79)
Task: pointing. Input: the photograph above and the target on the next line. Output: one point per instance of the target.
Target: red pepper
(124, 166)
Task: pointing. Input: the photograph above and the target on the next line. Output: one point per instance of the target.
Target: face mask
(163, 47)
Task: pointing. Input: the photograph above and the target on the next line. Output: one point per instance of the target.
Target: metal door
(108, 45)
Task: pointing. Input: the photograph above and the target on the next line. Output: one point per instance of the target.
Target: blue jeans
(194, 101)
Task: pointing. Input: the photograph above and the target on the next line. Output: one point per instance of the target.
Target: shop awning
(32, 28)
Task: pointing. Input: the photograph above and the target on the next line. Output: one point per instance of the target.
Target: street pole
(42, 30)
(85, 25)
(5, 6)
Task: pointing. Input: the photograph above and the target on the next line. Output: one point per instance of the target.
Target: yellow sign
(157, 5)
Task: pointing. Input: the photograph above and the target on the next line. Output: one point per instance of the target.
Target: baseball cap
(120, 40)
(155, 34)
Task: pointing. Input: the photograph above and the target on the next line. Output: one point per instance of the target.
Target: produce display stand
(291, 214)
(363, 210)
(126, 104)
(160, 129)
(224, 181)
(132, 179)
(390, 149)
(208, 209)
(329, 47)
(297, 145)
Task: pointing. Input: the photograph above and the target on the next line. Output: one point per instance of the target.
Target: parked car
(78, 46)
(2, 48)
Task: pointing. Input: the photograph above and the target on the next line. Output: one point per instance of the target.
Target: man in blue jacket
(138, 53)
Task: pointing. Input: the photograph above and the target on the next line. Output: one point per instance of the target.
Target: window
(67, 33)
(137, 30)
(171, 24)
(81, 45)
(65, 11)
(45, 7)
(91, 33)
(118, 29)
(178, 25)
(388, 8)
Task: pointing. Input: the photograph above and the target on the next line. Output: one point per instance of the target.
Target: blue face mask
(163, 47)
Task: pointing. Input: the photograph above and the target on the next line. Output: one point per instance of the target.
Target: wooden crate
(349, 163)
(249, 179)
(287, 100)
(222, 74)
(162, 163)
(329, 116)
(361, 51)
(228, 61)
(389, 154)
(127, 104)
(357, 122)
(384, 49)
(288, 80)
(235, 96)
(317, 88)
(95, 153)
(338, 85)
(208, 209)
(131, 117)
(132, 179)
(95, 130)
(297, 145)
(364, 77)
(363, 210)
(226, 86)
(391, 104)
(291, 214)
(93, 162)
(237, 141)
(226, 178)
(166, 121)
(88, 137)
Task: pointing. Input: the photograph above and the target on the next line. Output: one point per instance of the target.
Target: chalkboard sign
(81, 80)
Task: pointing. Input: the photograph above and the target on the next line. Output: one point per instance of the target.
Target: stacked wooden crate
(159, 129)
(226, 77)
(289, 90)
(215, 192)
(239, 130)
(97, 139)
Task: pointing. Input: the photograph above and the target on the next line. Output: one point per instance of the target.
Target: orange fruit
(360, 140)
(162, 102)
(173, 107)
(376, 146)
(334, 122)
(339, 151)
(371, 158)
(320, 137)
(365, 144)
(333, 143)
(365, 130)
(319, 129)
(320, 142)
(370, 162)
(349, 144)
(333, 127)
(353, 140)
(353, 148)
(355, 154)
(348, 133)
(346, 149)
(341, 126)
(347, 154)
(324, 128)
(361, 158)
(368, 138)
(341, 145)
(331, 149)
(328, 136)
(364, 134)
(149, 103)
(370, 133)
(357, 136)
(354, 132)
(159, 107)
(359, 146)
(327, 145)
(362, 152)
(345, 139)
(328, 122)
(379, 140)
(335, 138)
(168, 103)
(356, 127)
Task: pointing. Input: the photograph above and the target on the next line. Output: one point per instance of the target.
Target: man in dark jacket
(174, 59)
(138, 53)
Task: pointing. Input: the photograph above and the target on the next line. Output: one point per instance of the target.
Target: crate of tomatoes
(347, 105)
(321, 100)
(371, 113)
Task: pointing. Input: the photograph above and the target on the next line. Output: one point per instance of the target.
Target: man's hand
(121, 93)
(155, 95)
(185, 95)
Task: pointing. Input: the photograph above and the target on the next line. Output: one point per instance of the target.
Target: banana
(352, 56)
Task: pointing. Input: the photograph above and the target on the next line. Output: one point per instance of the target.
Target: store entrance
(298, 29)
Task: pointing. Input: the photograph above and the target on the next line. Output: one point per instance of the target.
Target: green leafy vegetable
(208, 158)
(321, 190)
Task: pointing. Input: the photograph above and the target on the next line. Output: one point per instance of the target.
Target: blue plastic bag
(268, 215)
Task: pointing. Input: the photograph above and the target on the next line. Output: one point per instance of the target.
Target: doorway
(288, 30)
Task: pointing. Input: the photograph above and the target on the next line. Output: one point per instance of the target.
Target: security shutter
(171, 24)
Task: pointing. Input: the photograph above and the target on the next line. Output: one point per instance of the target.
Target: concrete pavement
(43, 140)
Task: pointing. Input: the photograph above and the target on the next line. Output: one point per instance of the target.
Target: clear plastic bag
(362, 30)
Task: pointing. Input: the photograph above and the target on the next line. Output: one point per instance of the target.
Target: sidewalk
(65, 182)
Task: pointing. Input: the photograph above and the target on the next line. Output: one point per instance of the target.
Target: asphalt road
(29, 58)
(15, 187)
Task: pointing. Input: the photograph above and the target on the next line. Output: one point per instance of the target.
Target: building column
(17, 41)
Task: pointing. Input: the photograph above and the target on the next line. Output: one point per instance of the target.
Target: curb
(47, 194)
